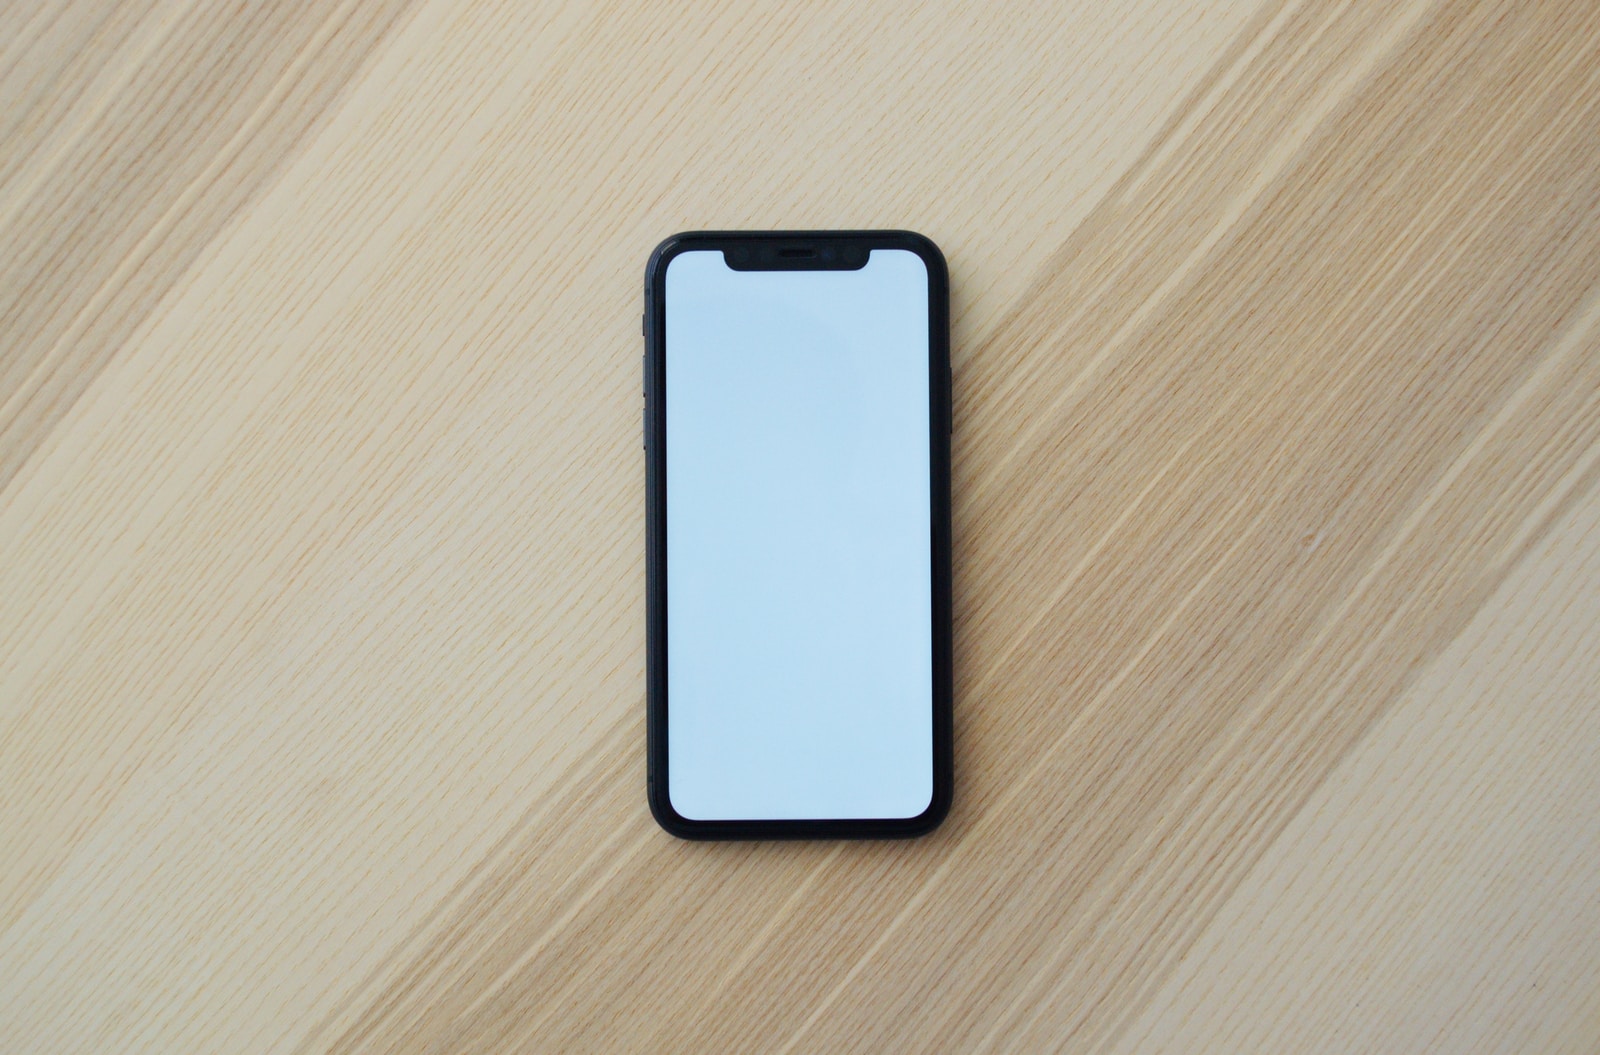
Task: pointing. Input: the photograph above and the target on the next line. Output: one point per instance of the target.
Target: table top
(1276, 331)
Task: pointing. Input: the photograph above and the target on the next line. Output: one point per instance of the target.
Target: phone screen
(798, 581)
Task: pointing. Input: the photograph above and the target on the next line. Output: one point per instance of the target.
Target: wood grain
(1277, 339)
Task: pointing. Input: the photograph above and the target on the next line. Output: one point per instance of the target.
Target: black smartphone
(797, 449)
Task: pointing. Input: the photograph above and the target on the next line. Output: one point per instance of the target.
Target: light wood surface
(1277, 485)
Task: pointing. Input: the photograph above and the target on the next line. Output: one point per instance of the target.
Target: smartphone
(797, 448)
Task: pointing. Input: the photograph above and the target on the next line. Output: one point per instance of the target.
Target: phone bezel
(762, 246)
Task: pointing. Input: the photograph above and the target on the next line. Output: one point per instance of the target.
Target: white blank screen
(799, 595)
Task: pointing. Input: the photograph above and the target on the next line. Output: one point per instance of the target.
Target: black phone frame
(787, 250)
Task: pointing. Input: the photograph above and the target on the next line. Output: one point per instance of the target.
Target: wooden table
(1277, 351)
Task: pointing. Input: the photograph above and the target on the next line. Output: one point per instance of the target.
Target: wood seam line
(486, 878)
(50, 362)
(1235, 867)
(1230, 211)
(47, 368)
(128, 68)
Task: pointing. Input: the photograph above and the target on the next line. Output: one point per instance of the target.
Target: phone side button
(644, 427)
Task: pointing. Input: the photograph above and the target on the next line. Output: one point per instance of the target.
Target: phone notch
(788, 254)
